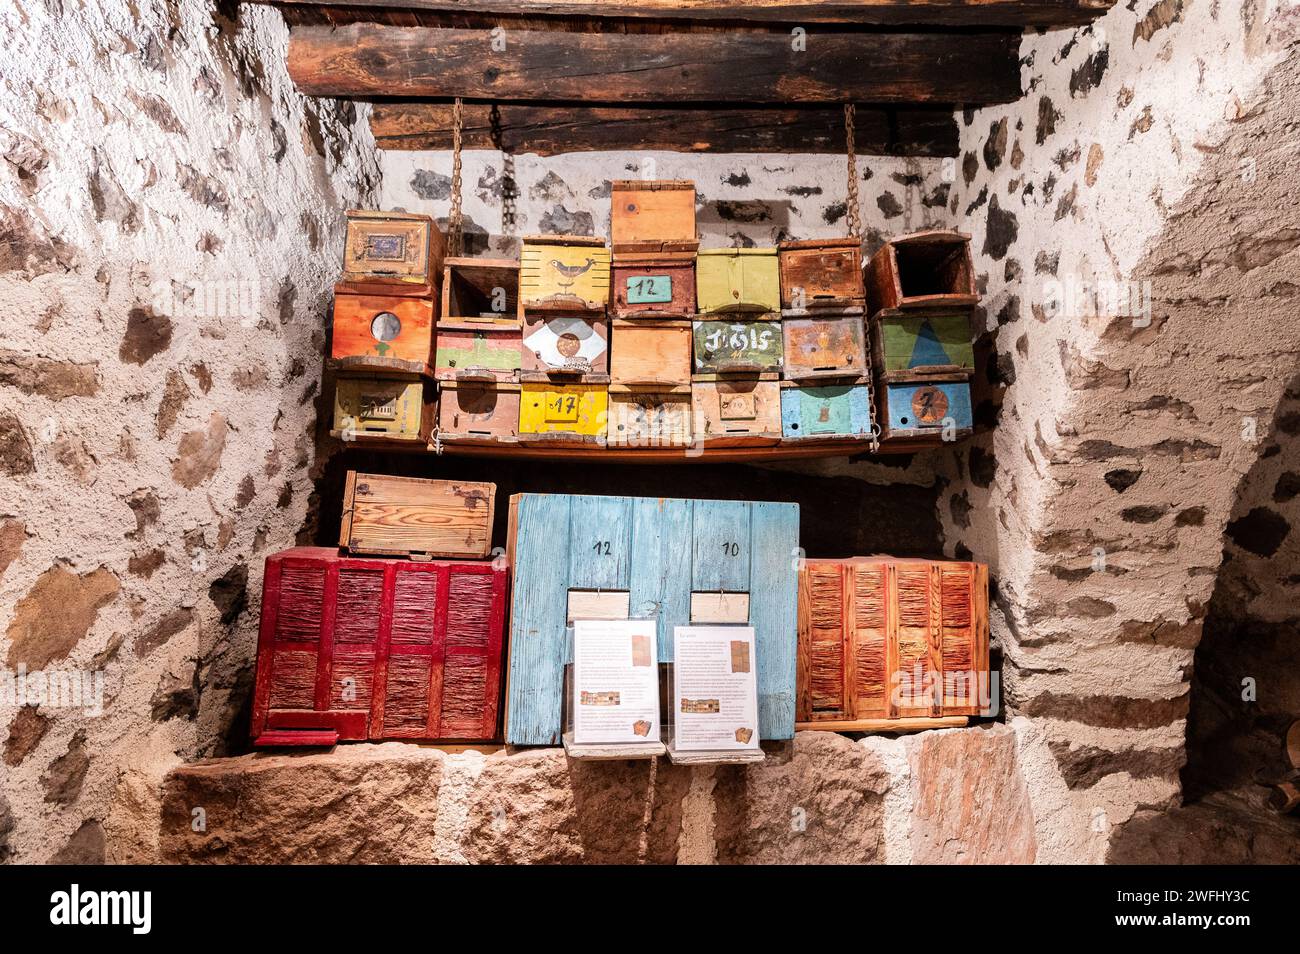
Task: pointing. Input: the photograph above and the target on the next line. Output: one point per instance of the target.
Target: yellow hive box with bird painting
(563, 273)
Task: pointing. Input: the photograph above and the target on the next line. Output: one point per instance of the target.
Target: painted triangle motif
(927, 349)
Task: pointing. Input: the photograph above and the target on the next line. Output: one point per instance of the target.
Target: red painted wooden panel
(378, 648)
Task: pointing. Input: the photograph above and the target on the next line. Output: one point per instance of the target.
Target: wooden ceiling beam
(369, 60)
(965, 13)
(549, 130)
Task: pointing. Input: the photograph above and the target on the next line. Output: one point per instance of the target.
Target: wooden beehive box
(393, 407)
(479, 351)
(822, 272)
(654, 285)
(828, 346)
(915, 342)
(569, 412)
(878, 636)
(737, 280)
(396, 329)
(651, 554)
(730, 346)
(411, 516)
(651, 352)
(565, 344)
(392, 252)
(651, 215)
(563, 273)
(922, 270)
(649, 417)
(819, 411)
(736, 410)
(478, 412)
(480, 289)
(931, 407)
(353, 648)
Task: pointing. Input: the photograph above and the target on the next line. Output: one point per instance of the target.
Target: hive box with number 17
(676, 561)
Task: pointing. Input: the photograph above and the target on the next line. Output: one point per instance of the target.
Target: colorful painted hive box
(878, 636)
(396, 330)
(392, 250)
(825, 347)
(735, 347)
(658, 552)
(478, 350)
(654, 286)
(575, 410)
(644, 417)
(354, 648)
(932, 339)
(926, 408)
(393, 408)
(737, 279)
(564, 272)
(825, 411)
(567, 344)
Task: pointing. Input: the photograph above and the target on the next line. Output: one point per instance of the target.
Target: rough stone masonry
(170, 219)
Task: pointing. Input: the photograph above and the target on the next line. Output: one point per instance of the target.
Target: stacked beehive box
(652, 298)
(564, 372)
(921, 294)
(385, 308)
(825, 393)
(360, 646)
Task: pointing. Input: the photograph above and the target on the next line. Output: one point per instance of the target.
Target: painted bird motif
(571, 272)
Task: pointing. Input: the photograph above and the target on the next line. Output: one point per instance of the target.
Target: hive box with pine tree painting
(878, 636)
(355, 648)
(648, 557)
(911, 343)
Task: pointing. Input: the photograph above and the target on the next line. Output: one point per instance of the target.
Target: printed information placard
(615, 681)
(715, 689)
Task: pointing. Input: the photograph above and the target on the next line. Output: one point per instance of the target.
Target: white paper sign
(715, 688)
(615, 681)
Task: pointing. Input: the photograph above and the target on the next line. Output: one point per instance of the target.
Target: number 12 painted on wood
(649, 289)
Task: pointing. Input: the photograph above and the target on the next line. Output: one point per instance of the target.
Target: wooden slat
(367, 59)
(551, 130)
(881, 12)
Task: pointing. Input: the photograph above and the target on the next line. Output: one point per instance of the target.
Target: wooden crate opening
(934, 267)
(480, 288)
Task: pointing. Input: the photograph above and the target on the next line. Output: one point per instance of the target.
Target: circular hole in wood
(385, 326)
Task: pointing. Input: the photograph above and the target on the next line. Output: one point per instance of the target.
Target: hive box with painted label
(821, 272)
(394, 408)
(563, 273)
(565, 344)
(648, 417)
(651, 215)
(737, 280)
(353, 648)
(823, 411)
(915, 342)
(562, 412)
(478, 350)
(728, 346)
(878, 636)
(396, 330)
(654, 286)
(650, 555)
(478, 412)
(925, 408)
(401, 516)
(824, 347)
(392, 252)
(736, 411)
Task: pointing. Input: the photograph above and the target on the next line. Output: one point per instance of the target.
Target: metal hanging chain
(508, 191)
(855, 215)
(455, 219)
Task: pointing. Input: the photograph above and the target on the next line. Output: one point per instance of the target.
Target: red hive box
(353, 648)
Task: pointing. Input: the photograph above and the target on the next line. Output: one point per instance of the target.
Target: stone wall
(170, 215)
(1148, 175)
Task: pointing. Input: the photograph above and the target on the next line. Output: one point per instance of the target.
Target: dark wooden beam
(549, 130)
(368, 60)
(968, 13)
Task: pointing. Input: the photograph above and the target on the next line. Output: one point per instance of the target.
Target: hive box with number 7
(647, 557)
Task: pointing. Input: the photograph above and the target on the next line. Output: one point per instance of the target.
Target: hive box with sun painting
(931, 407)
(878, 636)
(563, 273)
(564, 345)
(665, 559)
(356, 648)
(912, 343)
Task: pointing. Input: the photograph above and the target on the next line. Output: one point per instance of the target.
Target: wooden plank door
(660, 578)
(773, 612)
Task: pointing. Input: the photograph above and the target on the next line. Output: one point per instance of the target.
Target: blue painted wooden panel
(826, 411)
(539, 606)
(660, 579)
(773, 600)
(922, 407)
(660, 551)
(721, 550)
(600, 534)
